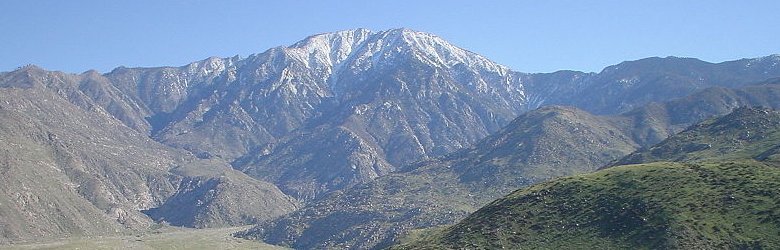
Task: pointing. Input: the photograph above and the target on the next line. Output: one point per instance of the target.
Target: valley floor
(168, 238)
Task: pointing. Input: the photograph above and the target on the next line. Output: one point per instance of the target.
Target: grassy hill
(646, 206)
(745, 133)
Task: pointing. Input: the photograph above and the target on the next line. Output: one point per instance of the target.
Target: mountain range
(348, 139)
(539, 145)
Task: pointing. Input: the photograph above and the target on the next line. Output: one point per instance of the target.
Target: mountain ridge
(71, 169)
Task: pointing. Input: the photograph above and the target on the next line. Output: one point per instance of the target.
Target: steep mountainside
(69, 168)
(727, 199)
(539, 145)
(401, 97)
(219, 197)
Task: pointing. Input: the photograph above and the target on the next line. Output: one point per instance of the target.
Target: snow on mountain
(328, 49)
(404, 95)
(401, 95)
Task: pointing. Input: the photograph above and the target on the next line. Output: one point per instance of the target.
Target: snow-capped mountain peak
(437, 50)
(383, 47)
(362, 49)
(328, 49)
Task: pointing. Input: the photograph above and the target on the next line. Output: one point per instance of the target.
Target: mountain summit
(388, 99)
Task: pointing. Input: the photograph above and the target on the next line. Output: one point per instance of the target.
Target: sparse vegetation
(746, 133)
(720, 196)
(649, 206)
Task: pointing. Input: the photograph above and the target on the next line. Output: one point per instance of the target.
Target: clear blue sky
(527, 36)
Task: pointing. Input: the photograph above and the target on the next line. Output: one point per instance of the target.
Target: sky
(527, 36)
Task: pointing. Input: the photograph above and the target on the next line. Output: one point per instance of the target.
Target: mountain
(377, 100)
(721, 195)
(537, 146)
(216, 110)
(432, 97)
(401, 96)
(69, 168)
(746, 133)
(541, 144)
(655, 122)
(632, 84)
(220, 198)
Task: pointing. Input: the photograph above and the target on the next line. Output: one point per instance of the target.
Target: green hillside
(745, 133)
(656, 205)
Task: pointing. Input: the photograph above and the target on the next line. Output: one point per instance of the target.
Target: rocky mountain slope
(726, 199)
(401, 97)
(539, 145)
(442, 191)
(70, 168)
